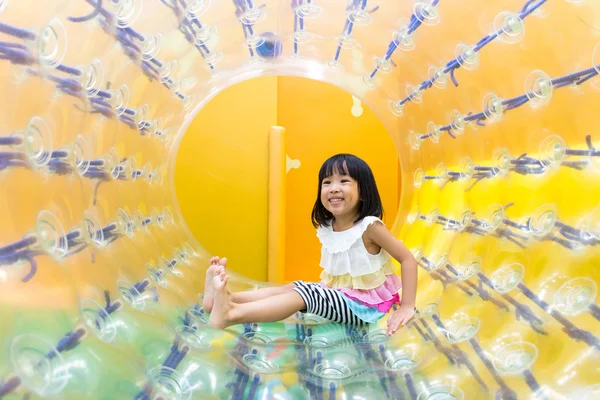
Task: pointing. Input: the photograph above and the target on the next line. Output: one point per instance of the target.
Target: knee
(289, 287)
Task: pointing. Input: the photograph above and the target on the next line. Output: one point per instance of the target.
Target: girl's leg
(275, 308)
(258, 294)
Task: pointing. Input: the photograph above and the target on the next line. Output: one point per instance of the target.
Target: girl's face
(339, 195)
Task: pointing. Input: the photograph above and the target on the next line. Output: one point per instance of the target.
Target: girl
(357, 285)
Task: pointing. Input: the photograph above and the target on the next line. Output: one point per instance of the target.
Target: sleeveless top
(366, 278)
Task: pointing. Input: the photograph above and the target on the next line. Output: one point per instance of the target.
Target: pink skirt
(383, 297)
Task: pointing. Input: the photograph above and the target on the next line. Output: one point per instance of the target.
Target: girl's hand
(399, 317)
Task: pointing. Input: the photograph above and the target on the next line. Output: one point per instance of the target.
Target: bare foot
(219, 318)
(216, 265)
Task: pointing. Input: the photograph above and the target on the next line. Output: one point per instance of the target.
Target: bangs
(338, 164)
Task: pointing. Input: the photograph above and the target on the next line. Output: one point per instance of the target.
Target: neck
(342, 223)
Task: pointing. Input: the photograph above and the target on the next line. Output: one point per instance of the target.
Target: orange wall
(221, 173)
(319, 124)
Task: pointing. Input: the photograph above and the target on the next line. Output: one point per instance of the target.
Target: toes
(223, 261)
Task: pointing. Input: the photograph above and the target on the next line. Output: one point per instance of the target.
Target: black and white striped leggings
(326, 303)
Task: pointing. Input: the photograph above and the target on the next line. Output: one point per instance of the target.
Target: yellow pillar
(276, 229)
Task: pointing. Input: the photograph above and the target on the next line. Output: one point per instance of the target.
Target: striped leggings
(326, 303)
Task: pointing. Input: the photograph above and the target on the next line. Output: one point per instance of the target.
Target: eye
(326, 182)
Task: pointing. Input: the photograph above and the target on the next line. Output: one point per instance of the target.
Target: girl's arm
(378, 234)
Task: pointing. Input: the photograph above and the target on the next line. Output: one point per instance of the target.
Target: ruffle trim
(338, 242)
(363, 282)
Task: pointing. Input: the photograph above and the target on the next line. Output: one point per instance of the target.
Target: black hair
(369, 200)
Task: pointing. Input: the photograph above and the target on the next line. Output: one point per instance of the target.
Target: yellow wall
(224, 156)
(221, 174)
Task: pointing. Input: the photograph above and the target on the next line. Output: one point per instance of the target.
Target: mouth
(336, 200)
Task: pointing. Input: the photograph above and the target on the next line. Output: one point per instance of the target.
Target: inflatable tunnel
(117, 186)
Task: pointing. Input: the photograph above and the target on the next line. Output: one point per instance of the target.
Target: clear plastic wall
(492, 106)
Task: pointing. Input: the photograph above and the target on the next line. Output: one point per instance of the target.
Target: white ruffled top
(344, 253)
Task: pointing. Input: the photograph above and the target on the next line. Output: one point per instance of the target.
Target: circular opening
(434, 132)
(131, 295)
(402, 39)
(553, 151)
(457, 122)
(81, 151)
(438, 77)
(468, 269)
(196, 8)
(151, 47)
(495, 217)
(415, 94)
(128, 12)
(157, 275)
(169, 384)
(492, 107)
(38, 142)
(427, 13)
(507, 278)
(120, 99)
(396, 108)
(538, 86)
(441, 173)
(467, 168)
(52, 43)
(51, 235)
(465, 219)
(92, 229)
(111, 164)
(92, 77)
(432, 217)
(383, 65)
(97, 320)
(413, 215)
(203, 35)
(542, 220)
(302, 36)
(376, 336)
(417, 254)
(466, 56)
(257, 337)
(441, 261)
(193, 337)
(441, 392)
(515, 358)
(596, 58)
(360, 17)
(316, 341)
(462, 328)
(575, 296)
(39, 365)
(124, 223)
(400, 363)
(309, 10)
(141, 116)
(510, 27)
(332, 370)
(419, 177)
(414, 141)
(593, 223)
(429, 309)
(199, 313)
(260, 364)
(254, 15)
(502, 161)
